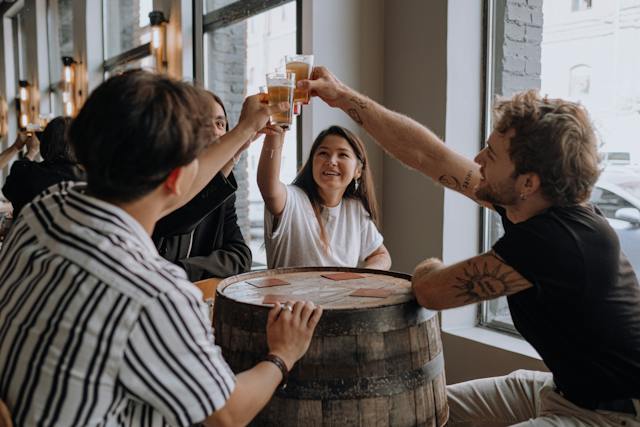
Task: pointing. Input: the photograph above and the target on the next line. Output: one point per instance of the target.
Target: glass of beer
(280, 88)
(301, 66)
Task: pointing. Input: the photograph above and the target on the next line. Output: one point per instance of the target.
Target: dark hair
(365, 191)
(54, 146)
(554, 139)
(137, 127)
(221, 104)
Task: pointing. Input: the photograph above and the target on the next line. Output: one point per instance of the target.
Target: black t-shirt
(582, 314)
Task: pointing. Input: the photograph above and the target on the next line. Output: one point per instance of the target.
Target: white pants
(524, 399)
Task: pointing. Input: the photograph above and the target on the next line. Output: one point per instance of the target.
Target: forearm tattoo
(453, 183)
(359, 102)
(479, 283)
(450, 181)
(353, 113)
(355, 116)
(467, 180)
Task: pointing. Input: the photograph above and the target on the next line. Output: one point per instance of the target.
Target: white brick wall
(226, 67)
(521, 52)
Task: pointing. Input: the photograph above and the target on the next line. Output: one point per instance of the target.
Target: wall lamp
(159, 39)
(23, 104)
(68, 85)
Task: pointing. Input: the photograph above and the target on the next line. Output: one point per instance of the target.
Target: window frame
(231, 14)
(136, 53)
(54, 44)
(491, 56)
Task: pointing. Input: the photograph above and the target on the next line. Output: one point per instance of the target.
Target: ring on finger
(287, 307)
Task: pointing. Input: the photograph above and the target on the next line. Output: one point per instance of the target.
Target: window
(579, 82)
(595, 62)
(240, 47)
(60, 41)
(126, 25)
(578, 5)
(127, 35)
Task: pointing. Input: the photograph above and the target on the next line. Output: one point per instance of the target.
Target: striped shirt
(95, 327)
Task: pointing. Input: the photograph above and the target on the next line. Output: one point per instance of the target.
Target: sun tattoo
(480, 282)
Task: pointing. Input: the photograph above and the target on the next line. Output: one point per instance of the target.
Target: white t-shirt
(296, 242)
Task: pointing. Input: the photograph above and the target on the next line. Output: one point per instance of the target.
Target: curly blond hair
(554, 139)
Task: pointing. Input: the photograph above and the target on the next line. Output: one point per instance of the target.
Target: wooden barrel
(373, 360)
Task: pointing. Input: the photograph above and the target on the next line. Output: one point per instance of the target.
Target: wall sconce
(23, 104)
(159, 39)
(68, 85)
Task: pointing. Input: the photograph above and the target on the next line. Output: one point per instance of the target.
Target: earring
(523, 197)
(357, 184)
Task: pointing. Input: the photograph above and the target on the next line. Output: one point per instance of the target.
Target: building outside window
(60, 41)
(126, 32)
(578, 5)
(590, 59)
(237, 56)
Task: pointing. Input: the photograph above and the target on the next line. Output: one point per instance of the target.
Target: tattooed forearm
(353, 112)
(355, 116)
(449, 181)
(479, 283)
(359, 102)
(467, 180)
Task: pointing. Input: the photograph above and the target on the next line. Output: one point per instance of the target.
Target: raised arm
(214, 157)
(274, 192)
(402, 137)
(21, 140)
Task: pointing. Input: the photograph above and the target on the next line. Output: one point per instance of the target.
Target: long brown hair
(365, 191)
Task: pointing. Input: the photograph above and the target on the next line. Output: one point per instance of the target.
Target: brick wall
(225, 66)
(123, 18)
(65, 15)
(519, 35)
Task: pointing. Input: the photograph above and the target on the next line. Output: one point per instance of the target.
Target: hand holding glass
(301, 66)
(280, 87)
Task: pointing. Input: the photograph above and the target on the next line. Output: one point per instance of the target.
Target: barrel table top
(357, 288)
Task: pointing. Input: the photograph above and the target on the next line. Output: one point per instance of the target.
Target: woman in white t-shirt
(327, 216)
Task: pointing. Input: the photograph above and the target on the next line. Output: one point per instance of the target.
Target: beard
(502, 193)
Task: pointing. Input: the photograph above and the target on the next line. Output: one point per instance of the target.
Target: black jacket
(27, 179)
(203, 236)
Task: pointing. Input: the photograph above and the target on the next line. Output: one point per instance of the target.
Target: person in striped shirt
(95, 327)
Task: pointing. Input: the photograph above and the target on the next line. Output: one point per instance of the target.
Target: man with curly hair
(572, 292)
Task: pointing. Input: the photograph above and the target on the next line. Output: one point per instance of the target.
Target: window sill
(500, 340)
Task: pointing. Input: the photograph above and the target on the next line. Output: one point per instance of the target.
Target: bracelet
(276, 360)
